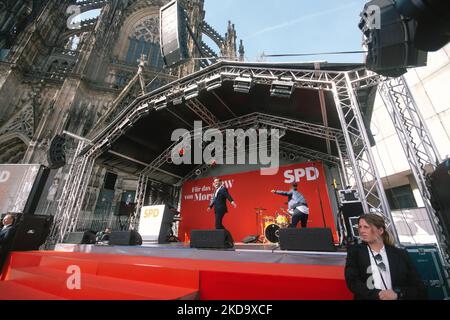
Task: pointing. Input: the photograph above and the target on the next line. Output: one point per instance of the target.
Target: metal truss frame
(202, 112)
(421, 152)
(356, 163)
(362, 170)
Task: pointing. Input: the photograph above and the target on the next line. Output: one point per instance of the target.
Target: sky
(289, 27)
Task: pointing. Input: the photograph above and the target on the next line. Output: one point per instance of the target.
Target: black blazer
(404, 276)
(6, 238)
(220, 201)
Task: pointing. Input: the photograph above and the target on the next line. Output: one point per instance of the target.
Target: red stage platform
(175, 272)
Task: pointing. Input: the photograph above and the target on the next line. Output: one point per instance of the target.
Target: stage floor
(262, 253)
(176, 271)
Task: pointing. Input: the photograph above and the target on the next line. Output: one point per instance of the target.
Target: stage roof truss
(256, 118)
(357, 165)
(309, 79)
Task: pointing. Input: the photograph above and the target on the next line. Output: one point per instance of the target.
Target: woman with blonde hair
(376, 269)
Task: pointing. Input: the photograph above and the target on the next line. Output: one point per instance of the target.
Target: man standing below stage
(297, 203)
(219, 202)
(6, 237)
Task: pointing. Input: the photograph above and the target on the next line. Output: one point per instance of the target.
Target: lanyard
(379, 269)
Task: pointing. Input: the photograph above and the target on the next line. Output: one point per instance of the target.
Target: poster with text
(251, 190)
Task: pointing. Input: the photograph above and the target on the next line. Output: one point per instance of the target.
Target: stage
(175, 271)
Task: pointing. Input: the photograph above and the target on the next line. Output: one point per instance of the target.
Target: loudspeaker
(390, 39)
(31, 232)
(124, 209)
(36, 191)
(125, 238)
(173, 39)
(250, 239)
(87, 237)
(307, 239)
(212, 239)
(56, 156)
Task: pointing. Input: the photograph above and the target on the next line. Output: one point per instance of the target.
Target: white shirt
(6, 226)
(217, 191)
(378, 283)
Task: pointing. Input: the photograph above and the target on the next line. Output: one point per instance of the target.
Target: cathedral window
(145, 41)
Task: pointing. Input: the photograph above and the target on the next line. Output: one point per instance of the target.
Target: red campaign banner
(252, 190)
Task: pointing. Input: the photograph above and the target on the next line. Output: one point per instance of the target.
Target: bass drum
(272, 233)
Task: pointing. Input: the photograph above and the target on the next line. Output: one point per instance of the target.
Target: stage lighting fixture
(191, 92)
(282, 89)
(177, 101)
(125, 125)
(198, 172)
(243, 84)
(144, 109)
(160, 103)
(213, 82)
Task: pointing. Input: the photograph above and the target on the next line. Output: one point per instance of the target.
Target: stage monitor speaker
(211, 239)
(87, 237)
(251, 239)
(124, 209)
(307, 239)
(125, 238)
(31, 232)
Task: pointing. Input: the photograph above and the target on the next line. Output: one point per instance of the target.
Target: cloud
(301, 19)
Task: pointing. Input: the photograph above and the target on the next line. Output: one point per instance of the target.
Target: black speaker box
(87, 237)
(307, 239)
(31, 232)
(125, 238)
(36, 191)
(211, 239)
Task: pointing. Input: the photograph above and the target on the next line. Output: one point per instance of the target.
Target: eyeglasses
(379, 262)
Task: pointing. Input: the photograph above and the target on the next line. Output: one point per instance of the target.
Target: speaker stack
(211, 239)
(307, 239)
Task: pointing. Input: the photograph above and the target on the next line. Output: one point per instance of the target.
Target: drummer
(297, 203)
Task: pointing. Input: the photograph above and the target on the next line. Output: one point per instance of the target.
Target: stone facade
(58, 74)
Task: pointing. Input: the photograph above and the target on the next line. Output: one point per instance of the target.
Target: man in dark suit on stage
(6, 236)
(219, 202)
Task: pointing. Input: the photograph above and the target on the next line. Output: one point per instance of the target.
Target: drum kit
(270, 226)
